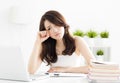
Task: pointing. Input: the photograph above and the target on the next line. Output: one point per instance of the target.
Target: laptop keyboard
(39, 76)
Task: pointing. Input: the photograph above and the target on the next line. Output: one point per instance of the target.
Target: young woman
(55, 46)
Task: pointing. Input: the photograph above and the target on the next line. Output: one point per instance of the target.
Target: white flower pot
(90, 41)
(105, 41)
(97, 41)
(100, 58)
(101, 41)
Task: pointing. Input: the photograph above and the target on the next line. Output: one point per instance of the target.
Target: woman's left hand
(57, 69)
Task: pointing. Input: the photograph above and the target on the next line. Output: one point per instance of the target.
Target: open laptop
(12, 66)
(55, 74)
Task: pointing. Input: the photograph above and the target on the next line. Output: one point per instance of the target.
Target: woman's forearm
(82, 69)
(35, 60)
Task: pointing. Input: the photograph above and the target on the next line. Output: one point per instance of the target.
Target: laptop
(12, 65)
(56, 74)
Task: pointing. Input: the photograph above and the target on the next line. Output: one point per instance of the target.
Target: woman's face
(55, 32)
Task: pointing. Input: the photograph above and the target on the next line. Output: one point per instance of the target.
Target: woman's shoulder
(78, 43)
(78, 39)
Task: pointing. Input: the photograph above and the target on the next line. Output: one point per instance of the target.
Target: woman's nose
(54, 29)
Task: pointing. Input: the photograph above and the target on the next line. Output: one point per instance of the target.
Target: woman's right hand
(42, 36)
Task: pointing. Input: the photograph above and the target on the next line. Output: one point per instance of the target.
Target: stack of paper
(104, 71)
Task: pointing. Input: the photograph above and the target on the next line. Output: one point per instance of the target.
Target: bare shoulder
(78, 39)
(79, 42)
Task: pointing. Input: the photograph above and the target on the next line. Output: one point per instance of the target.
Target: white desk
(54, 80)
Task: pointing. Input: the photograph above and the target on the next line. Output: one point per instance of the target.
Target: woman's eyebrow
(48, 26)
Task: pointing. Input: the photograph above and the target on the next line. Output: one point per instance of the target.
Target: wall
(20, 29)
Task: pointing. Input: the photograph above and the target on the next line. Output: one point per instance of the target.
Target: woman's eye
(48, 28)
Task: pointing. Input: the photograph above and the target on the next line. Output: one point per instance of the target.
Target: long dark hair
(48, 52)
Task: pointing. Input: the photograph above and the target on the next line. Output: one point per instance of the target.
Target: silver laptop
(12, 66)
(55, 74)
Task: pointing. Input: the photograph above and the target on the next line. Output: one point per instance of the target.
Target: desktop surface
(53, 80)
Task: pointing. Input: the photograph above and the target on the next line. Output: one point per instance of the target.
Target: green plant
(100, 52)
(91, 34)
(79, 33)
(104, 34)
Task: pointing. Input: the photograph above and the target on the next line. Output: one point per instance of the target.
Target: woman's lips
(57, 34)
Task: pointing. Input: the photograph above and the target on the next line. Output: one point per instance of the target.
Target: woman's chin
(58, 38)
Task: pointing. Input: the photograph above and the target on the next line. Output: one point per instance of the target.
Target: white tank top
(64, 61)
(69, 61)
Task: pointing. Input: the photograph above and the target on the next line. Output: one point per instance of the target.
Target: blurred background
(19, 21)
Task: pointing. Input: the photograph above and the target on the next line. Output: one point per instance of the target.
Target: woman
(57, 47)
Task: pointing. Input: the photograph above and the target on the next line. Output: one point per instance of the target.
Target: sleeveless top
(69, 61)
(64, 61)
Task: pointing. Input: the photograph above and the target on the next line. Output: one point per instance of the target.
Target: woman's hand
(42, 36)
(82, 69)
(58, 69)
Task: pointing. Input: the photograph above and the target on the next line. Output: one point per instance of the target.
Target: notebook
(12, 65)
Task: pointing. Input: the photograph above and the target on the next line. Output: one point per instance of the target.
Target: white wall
(20, 27)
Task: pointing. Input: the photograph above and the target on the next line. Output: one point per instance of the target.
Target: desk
(54, 80)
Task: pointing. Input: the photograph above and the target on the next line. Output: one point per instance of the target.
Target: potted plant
(104, 35)
(91, 34)
(100, 54)
(79, 33)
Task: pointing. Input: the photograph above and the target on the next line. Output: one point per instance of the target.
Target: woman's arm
(35, 61)
(82, 69)
(83, 49)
